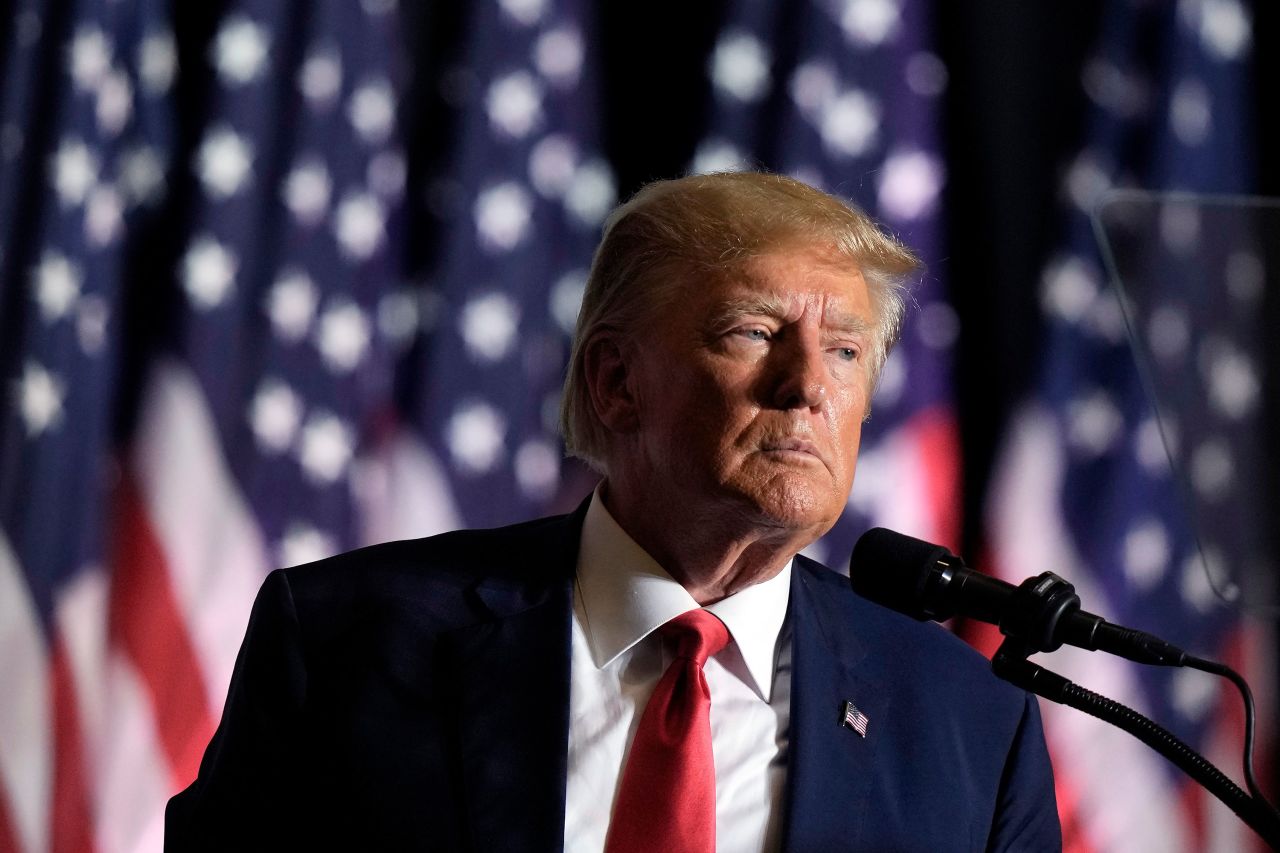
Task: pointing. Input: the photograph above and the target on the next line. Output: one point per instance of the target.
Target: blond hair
(672, 233)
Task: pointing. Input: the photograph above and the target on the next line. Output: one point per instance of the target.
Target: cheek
(846, 424)
(719, 397)
(694, 415)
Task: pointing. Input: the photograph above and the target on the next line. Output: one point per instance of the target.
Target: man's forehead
(785, 284)
(837, 309)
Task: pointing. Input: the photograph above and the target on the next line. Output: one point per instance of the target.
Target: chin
(798, 507)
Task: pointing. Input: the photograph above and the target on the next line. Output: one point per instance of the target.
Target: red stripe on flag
(1075, 827)
(146, 621)
(72, 829)
(936, 435)
(1192, 800)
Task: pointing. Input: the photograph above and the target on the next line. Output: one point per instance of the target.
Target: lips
(793, 445)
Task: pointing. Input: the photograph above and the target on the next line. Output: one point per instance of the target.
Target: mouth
(791, 448)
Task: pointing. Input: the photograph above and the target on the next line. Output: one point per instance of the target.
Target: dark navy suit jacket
(414, 695)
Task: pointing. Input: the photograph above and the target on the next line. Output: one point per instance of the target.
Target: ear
(610, 381)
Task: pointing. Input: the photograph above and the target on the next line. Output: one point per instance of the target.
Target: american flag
(846, 95)
(87, 138)
(225, 349)
(1086, 487)
(518, 208)
(854, 718)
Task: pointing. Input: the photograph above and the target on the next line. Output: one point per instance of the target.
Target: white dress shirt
(621, 596)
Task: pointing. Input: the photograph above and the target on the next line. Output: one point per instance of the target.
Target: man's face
(751, 393)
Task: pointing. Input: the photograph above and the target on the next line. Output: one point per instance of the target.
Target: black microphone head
(894, 570)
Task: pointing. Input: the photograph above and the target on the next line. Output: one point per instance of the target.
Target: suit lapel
(512, 734)
(512, 677)
(832, 768)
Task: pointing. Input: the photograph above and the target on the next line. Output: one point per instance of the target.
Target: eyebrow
(775, 305)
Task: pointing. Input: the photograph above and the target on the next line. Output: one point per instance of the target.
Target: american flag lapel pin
(853, 718)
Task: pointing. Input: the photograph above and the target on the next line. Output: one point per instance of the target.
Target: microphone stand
(1040, 615)
(1033, 626)
(1011, 664)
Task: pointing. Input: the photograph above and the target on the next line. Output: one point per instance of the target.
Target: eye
(754, 333)
(847, 353)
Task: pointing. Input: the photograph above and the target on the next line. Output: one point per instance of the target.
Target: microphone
(926, 581)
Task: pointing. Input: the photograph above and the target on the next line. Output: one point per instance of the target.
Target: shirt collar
(626, 595)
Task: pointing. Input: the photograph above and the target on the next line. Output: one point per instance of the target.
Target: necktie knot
(698, 635)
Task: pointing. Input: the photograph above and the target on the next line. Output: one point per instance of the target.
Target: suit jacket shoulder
(953, 758)
(436, 583)
(405, 695)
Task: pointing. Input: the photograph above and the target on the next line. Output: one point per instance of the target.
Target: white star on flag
(92, 316)
(274, 415)
(303, 543)
(489, 326)
(1146, 554)
(103, 216)
(358, 224)
(813, 84)
(386, 174)
(515, 104)
(537, 465)
(1226, 30)
(1094, 423)
(503, 215)
(320, 79)
(870, 22)
(372, 111)
(325, 447)
(591, 193)
(558, 56)
(224, 162)
(740, 66)
(208, 271)
(476, 433)
(115, 102)
(552, 163)
(75, 170)
(307, 189)
(57, 285)
(291, 303)
(850, 122)
(90, 57)
(40, 396)
(566, 299)
(398, 316)
(343, 336)
(1233, 384)
(527, 12)
(909, 184)
(141, 174)
(157, 62)
(718, 155)
(240, 50)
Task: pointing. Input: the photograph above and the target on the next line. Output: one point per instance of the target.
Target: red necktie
(667, 800)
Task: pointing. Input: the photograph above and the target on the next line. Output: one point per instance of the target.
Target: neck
(712, 558)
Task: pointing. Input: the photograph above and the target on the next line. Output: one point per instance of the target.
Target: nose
(801, 377)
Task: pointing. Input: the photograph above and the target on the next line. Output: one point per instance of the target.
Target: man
(659, 670)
